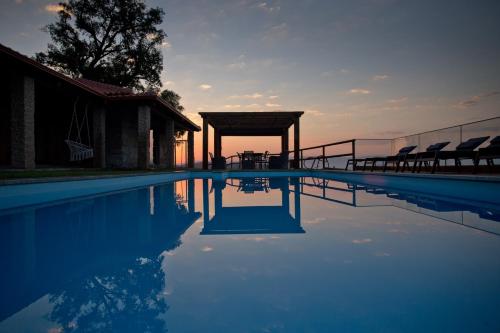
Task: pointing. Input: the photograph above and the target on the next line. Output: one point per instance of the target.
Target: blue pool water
(280, 254)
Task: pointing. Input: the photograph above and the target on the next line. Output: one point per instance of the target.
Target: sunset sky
(358, 68)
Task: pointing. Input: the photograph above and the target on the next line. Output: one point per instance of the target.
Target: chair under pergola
(273, 123)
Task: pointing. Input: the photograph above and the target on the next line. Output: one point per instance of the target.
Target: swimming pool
(251, 252)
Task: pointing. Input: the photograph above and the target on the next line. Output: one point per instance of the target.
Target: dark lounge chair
(354, 162)
(218, 163)
(489, 154)
(428, 155)
(248, 161)
(464, 151)
(278, 162)
(261, 160)
(402, 156)
(396, 160)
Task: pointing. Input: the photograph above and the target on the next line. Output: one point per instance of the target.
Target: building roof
(105, 91)
(105, 88)
(251, 123)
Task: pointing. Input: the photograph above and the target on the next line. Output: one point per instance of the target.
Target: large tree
(173, 98)
(111, 41)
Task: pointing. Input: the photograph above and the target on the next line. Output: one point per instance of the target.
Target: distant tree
(111, 41)
(173, 98)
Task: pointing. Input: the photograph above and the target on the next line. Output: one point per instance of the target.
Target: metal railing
(322, 156)
(230, 159)
(454, 134)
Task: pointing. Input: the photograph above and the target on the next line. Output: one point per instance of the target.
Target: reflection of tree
(99, 259)
(120, 298)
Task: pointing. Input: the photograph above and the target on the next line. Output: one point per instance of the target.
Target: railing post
(302, 159)
(353, 154)
(324, 157)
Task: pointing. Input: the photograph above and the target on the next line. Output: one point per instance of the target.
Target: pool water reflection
(252, 255)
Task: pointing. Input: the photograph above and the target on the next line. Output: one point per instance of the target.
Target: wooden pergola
(275, 123)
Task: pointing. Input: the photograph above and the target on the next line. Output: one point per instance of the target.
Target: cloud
(151, 36)
(475, 100)
(272, 105)
(397, 100)
(273, 97)
(362, 241)
(359, 91)
(232, 106)
(390, 133)
(248, 96)
(237, 65)
(207, 249)
(276, 32)
(166, 45)
(333, 72)
(169, 83)
(315, 113)
(205, 87)
(316, 220)
(380, 77)
(251, 106)
(255, 239)
(268, 8)
(51, 8)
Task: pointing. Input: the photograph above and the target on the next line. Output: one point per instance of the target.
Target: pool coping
(462, 177)
(27, 192)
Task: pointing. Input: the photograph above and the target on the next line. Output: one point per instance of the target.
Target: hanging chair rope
(78, 150)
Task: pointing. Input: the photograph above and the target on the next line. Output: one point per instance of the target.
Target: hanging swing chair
(77, 149)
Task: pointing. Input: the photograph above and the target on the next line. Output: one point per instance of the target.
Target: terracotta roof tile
(105, 88)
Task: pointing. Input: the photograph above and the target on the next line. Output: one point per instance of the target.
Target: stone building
(37, 105)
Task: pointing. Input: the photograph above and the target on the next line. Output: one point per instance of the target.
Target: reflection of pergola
(251, 219)
(274, 123)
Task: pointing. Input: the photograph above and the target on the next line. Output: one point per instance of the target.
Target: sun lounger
(401, 156)
(464, 151)
(354, 162)
(489, 153)
(428, 155)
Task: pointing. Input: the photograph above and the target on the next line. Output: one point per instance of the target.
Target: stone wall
(22, 122)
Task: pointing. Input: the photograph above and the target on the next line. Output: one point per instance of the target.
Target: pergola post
(190, 148)
(205, 143)
(296, 142)
(206, 202)
(217, 143)
(296, 194)
(284, 141)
